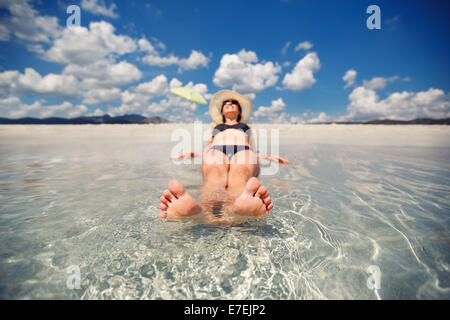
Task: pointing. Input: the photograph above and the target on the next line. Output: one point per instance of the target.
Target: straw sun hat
(215, 105)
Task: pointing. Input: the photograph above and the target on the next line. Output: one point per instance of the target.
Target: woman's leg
(243, 165)
(177, 203)
(215, 172)
(250, 198)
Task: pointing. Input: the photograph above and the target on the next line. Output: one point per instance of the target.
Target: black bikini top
(240, 126)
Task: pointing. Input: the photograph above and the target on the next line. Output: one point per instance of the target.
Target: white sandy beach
(367, 135)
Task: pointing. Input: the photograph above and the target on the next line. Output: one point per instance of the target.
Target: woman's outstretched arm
(273, 158)
(187, 155)
(269, 157)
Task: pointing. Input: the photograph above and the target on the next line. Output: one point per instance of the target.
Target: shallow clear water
(338, 210)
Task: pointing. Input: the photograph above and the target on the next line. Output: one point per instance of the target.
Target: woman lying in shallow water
(231, 191)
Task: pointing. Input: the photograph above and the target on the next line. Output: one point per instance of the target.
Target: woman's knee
(240, 173)
(215, 174)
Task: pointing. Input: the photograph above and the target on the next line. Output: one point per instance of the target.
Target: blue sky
(299, 61)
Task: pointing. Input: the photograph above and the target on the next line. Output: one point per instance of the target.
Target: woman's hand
(183, 156)
(186, 155)
(277, 158)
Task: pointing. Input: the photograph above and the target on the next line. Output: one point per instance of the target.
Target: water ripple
(334, 217)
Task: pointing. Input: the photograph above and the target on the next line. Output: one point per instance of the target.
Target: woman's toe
(162, 215)
(252, 186)
(176, 189)
(164, 200)
(169, 196)
(260, 192)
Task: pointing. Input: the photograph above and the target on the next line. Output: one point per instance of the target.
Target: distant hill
(105, 119)
(415, 121)
(138, 119)
(388, 121)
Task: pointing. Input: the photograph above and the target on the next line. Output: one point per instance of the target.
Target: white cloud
(101, 95)
(157, 87)
(90, 54)
(25, 23)
(97, 113)
(76, 111)
(37, 48)
(302, 76)
(139, 99)
(8, 104)
(195, 60)
(13, 83)
(176, 108)
(285, 48)
(349, 78)
(13, 107)
(180, 109)
(8, 78)
(65, 109)
(104, 73)
(146, 46)
(365, 104)
(99, 7)
(131, 102)
(321, 117)
(242, 72)
(305, 45)
(92, 82)
(175, 83)
(250, 96)
(311, 117)
(379, 82)
(392, 23)
(276, 107)
(200, 88)
(4, 33)
(154, 60)
(247, 56)
(51, 84)
(80, 45)
(276, 113)
(158, 44)
(92, 72)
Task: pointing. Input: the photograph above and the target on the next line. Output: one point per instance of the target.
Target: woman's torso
(231, 135)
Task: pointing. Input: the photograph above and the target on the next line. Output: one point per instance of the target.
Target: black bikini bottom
(230, 150)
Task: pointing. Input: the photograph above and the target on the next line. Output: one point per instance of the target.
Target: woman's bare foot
(177, 202)
(254, 200)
